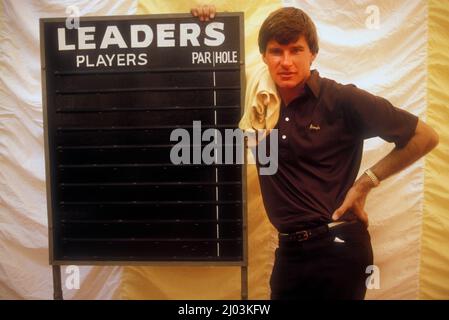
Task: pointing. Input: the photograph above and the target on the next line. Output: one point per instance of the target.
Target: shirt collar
(313, 83)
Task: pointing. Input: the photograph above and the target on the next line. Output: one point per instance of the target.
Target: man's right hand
(204, 12)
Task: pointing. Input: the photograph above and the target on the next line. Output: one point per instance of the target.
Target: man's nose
(286, 60)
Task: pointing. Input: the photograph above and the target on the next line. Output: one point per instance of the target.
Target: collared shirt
(320, 135)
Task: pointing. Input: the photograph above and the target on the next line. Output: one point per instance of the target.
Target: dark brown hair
(287, 25)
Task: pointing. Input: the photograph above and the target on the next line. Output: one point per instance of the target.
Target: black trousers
(324, 268)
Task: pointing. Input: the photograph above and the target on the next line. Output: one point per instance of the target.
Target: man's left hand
(204, 12)
(355, 200)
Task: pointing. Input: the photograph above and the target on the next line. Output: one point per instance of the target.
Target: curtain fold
(434, 273)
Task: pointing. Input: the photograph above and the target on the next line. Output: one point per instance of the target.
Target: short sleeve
(373, 116)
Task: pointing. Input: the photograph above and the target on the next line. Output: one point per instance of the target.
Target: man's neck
(288, 95)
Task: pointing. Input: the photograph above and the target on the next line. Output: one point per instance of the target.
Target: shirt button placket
(285, 126)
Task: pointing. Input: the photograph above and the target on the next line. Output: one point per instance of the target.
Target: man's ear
(264, 58)
(313, 58)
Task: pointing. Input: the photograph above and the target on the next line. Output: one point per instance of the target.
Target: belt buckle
(301, 235)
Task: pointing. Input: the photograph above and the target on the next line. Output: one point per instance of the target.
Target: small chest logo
(314, 127)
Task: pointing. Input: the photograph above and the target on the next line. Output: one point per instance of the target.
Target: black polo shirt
(320, 148)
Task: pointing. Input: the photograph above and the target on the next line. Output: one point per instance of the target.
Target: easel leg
(57, 288)
(244, 285)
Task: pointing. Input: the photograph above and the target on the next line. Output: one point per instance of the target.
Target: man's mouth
(286, 74)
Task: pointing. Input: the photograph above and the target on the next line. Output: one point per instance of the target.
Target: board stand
(58, 293)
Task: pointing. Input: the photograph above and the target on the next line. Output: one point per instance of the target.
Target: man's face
(289, 65)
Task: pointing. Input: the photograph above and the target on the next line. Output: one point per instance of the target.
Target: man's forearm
(424, 140)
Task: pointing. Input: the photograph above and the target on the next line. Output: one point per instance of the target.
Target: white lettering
(110, 59)
(101, 61)
(142, 59)
(165, 35)
(201, 57)
(135, 29)
(189, 310)
(88, 64)
(111, 37)
(189, 32)
(83, 37)
(130, 59)
(217, 37)
(121, 59)
(142, 36)
(80, 60)
(62, 45)
(225, 57)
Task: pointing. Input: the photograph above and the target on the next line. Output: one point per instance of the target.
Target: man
(314, 199)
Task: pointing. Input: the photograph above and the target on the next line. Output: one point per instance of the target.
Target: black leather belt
(308, 234)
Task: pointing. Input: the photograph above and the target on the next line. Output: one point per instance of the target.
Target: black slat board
(114, 90)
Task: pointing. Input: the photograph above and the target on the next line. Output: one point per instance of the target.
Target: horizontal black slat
(156, 231)
(150, 250)
(135, 109)
(148, 118)
(166, 173)
(144, 89)
(155, 192)
(139, 128)
(154, 211)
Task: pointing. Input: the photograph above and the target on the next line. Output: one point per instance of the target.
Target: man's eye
(276, 52)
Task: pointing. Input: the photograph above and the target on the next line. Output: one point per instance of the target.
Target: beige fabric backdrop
(434, 272)
(389, 61)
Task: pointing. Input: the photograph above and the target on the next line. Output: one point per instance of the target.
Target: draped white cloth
(388, 59)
